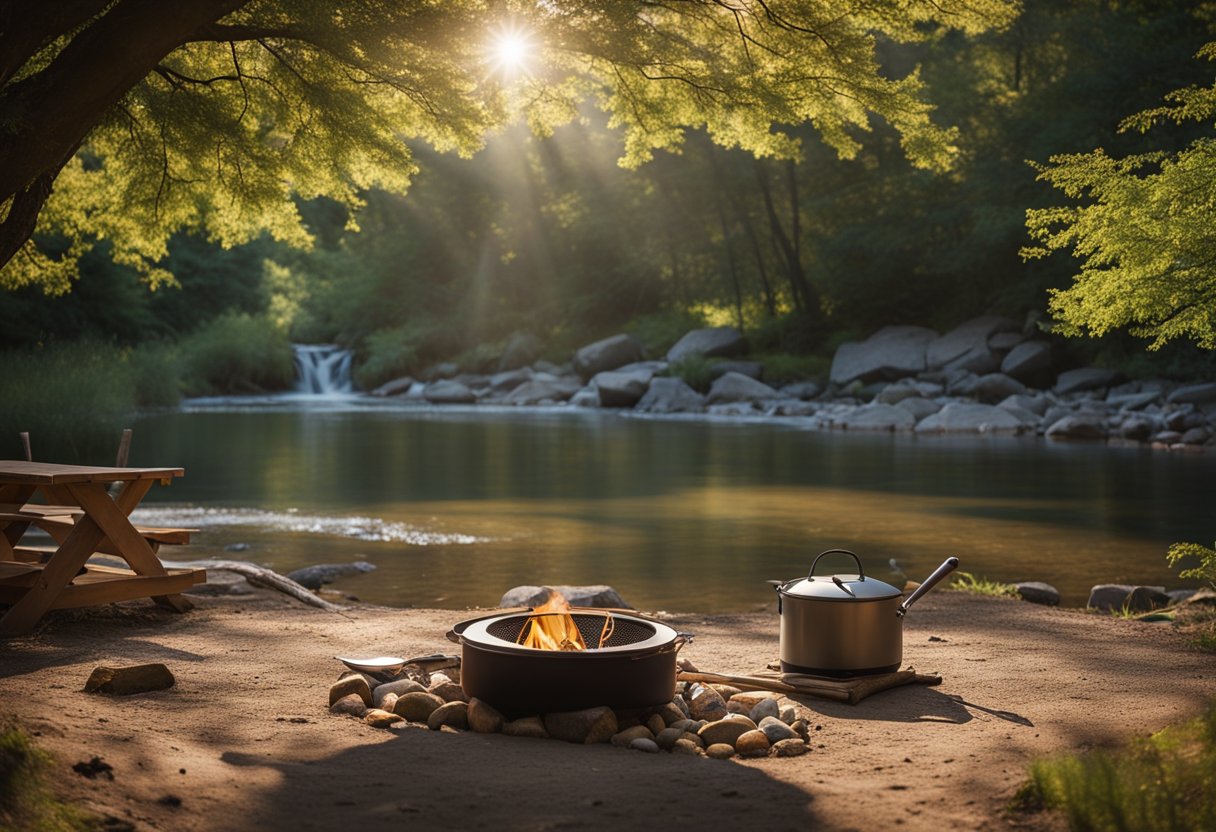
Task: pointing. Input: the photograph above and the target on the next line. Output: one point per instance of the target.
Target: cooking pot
(845, 625)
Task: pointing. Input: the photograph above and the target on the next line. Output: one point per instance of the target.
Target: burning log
(551, 627)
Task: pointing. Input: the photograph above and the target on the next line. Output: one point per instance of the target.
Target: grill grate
(590, 625)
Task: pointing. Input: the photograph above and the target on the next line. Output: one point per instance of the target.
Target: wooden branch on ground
(260, 576)
(851, 691)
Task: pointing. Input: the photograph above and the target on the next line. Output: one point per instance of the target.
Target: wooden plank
(51, 473)
(61, 525)
(10, 569)
(92, 497)
(131, 494)
(63, 566)
(95, 588)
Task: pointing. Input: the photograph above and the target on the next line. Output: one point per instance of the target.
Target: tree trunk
(781, 241)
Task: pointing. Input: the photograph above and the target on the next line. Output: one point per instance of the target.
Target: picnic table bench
(83, 519)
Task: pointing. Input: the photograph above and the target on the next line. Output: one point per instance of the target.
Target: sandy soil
(245, 741)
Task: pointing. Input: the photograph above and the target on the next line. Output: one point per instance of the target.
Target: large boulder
(959, 417)
(508, 380)
(736, 387)
(521, 350)
(966, 346)
(1083, 425)
(995, 387)
(608, 354)
(621, 389)
(713, 341)
(1194, 394)
(1086, 378)
(1029, 362)
(879, 417)
(1108, 596)
(891, 353)
(751, 369)
(316, 576)
(599, 595)
(918, 407)
(1037, 592)
(671, 395)
(396, 387)
(447, 391)
(543, 388)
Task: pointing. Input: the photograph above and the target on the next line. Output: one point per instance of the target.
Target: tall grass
(236, 353)
(1163, 783)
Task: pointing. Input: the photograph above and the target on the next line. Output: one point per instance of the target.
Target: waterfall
(322, 370)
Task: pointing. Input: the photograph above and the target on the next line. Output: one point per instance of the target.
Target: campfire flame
(551, 627)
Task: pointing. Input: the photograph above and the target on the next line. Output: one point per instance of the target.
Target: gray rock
(1030, 420)
(919, 408)
(521, 350)
(221, 582)
(1133, 401)
(959, 417)
(733, 410)
(995, 387)
(671, 395)
(763, 708)
(710, 342)
(1195, 436)
(1084, 425)
(1193, 394)
(589, 396)
(1136, 427)
(1086, 378)
(736, 387)
(608, 354)
(892, 352)
(1003, 342)
(1167, 437)
(508, 380)
(444, 369)
(961, 382)
(791, 407)
(896, 393)
(1108, 596)
(543, 388)
(622, 738)
(1178, 596)
(588, 726)
(396, 387)
(644, 744)
(314, 577)
(1037, 592)
(751, 369)
(667, 738)
(1028, 362)
(776, 730)
(447, 391)
(1183, 419)
(805, 390)
(398, 689)
(1035, 404)
(879, 417)
(967, 346)
(596, 595)
(621, 389)
(789, 716)
(1147, 598)
(143, 678)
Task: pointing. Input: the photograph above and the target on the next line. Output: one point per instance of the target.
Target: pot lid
(843, 587)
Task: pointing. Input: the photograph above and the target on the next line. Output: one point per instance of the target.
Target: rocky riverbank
(986, 376)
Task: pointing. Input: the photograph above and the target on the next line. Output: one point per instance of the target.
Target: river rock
(138, 678)
(1133, 401)
(447, 391)
(995, 387)
(528, 726)
(706, 703)
(588, 396)
(1195, 436)
(417, 706)
(1085, 378)
(1193, 394)
(671, 712)
(892, 352)
(789, 716)
(720, 751)
(543, 388)
(483, 717)
(655, 723)
(736, 387)
(804, 390)
(444, 369)
(347, 685)
(776, 730)
(878, 417)
(644, 744)
(752, 744)
(1037, 592)
(668, 736)
(1003, 342)
(790, 747)
(396, 387)
(919, 408)
(726, 730)
(1138, 428)
(351, 704)
(314, 577)
(960, 417)
(596, 595)
(448, 691)
(221, 582)
(1028, 362)
(378, 718)
(522, 349)
(454, 714)
(751, 369)
(607, 354)
(621, 389)
(671, 395)
(508, 380)
(710, 342)
(1033, 404)
(763, 708)
(588, 726)
(396, 688)
(967, 346)
(751, 698)
(624, 737)
(686, 747)
(1085, 425)
(1108, 596)
(1147, 598)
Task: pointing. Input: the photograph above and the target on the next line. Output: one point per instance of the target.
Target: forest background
(550, 235)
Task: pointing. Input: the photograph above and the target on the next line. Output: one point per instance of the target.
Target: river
(454, 506)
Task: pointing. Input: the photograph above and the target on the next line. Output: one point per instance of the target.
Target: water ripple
(359, 528)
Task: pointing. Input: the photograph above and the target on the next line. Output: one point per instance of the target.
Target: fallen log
(260, 576)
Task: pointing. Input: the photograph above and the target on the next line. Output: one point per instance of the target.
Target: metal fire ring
(652, 635)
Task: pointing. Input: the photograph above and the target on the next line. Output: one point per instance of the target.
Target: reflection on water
(454, 507)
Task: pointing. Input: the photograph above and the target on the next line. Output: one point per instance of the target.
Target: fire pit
(585, 658)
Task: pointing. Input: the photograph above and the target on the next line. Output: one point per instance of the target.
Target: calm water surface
(454, 507)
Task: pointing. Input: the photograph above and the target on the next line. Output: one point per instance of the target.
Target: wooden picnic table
(83, 518)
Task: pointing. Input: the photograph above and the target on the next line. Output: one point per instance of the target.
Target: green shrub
(236, 353)
(660, 330)
(25, 801)
(796, 332)
(784, 369)
(156, 374)
(696, 370)
(1162, 783)
(388, 354)
(1204, 571)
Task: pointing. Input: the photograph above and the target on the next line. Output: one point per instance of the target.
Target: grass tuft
(967, 582)
(26, 803)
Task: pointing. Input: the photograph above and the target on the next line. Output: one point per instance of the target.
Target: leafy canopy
(1144, 232)
(224, 112)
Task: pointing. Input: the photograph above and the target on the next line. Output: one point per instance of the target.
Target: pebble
(378, 718)
(448, 690)
(706, 703)
(790, 748)
(398, 688)
(671, 713)
(720, 751)
(689, 736)
(752, 744)
(685, 747)
(483, 717)
(726, 730)
(347, 685)
(684, 725)
(624, 739)
(800, 728)
(452, 714)
(789, 716)
(681, 703)
(351, 704)
(417, 706)
(765, 707)
(384, 703)
(644, 744)
(655, 724)
(776, 730)
(528, 726)
(667, 737)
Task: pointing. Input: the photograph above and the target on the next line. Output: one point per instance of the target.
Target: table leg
(134, 549)
(58, 572)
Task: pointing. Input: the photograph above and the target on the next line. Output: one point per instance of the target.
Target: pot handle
(674, 646)
(861, 575)
(948, 566)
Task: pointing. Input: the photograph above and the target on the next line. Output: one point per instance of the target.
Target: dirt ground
(244, 740)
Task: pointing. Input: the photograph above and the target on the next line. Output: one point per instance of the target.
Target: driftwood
(851, 691)
(260, 576)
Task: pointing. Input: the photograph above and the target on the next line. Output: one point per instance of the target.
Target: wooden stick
(25, 443)
(761, 683)
(851, 691)
(260, 576)
(124, 449)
